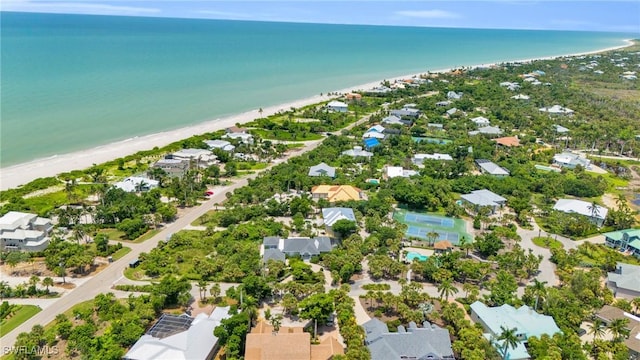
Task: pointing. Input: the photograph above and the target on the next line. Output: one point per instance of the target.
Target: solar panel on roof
(169, 325)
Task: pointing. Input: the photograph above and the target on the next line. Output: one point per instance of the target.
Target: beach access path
(103, 281)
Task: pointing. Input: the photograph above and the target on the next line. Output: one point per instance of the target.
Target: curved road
(102, 282)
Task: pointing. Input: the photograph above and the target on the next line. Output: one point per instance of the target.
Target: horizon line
(315, 23)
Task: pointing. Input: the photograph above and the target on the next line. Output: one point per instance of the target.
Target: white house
(137, 184)
(595, 213)
(454, 95)
(481, 120)
(487, 130)
(322, 169)
(24, 231)
(337, 106)
(557, 110)
(220, 144)
(357, 152)
(243, 137)
(484, 198)
(180, 337)
(571, 160)
(201, 157)
(418, 159)
(520, 97)
(491, 168)
(397, 171)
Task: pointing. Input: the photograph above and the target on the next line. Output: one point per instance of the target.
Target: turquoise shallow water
(72, 82)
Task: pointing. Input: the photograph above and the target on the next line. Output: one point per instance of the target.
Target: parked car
(208, 193)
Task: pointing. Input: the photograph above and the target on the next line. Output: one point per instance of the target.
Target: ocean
(74, 82)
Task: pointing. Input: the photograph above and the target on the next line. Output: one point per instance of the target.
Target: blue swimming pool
(412, 255)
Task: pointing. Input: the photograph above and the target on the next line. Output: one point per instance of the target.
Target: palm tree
(539, 290)
(202, 287)
(594, 208)
(431, 237)
(446, 289)
(597, 329)
(636, 305)
(215, 290)
(619, 329)
(46, 282)
(509, 340)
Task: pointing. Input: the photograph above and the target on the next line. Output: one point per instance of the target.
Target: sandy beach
(14, 176)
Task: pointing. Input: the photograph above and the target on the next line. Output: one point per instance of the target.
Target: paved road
(102, 282)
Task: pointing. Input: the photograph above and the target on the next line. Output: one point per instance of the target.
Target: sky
(611, 16)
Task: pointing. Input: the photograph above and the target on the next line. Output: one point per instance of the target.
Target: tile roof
(338, 192)
(510, 141)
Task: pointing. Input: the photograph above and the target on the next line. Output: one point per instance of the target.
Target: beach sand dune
(14, 176)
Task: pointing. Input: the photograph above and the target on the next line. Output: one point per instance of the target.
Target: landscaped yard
(20, 315)
(547, 242)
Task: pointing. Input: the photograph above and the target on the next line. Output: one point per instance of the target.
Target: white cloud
(75, 8)
(225, 14)
(428, 14)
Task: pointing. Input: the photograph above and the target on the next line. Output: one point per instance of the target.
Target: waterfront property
(609, 313)
(288, 343)
(525, 320)
(337, 106)
(491, 168)
(332, 215)
(322, 169)
(483, 198)
(334, 193)
(570, 160)
(624, 282)
(624, 240)
(223, 145)
(428, 342)
(595, 213)
(277, 248)
(200, 157)
(24, 232)
(180, 337)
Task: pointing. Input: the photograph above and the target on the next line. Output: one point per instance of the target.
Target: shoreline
(20, 174)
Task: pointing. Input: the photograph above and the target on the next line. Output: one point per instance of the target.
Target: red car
(208, 193)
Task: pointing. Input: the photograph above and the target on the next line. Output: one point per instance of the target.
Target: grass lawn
(134, 273)
(21, 315)
(120, 253)
(547, 242)
(146, 236)
(113, 234)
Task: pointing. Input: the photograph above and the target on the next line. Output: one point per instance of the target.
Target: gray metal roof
(322, 169)
(306, 246)
(273, 254)
(626, 277)
(332, 215)
(428, 342)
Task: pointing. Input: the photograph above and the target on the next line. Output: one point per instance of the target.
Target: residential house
(595, 213)
(624, 282)
(337, 106)
(624, 240)
(357, 152)
(513, 86)
(419, 159)
(334, 193)
(244, 137)
(390, 172)
(137, 184)
(277, 248)
(481, 120)
(557, 110)
(520, 97)
(374, 134)
(609, 313)
(491, 168)
(379, 90)
(322, 169)
(509, 141)
(525, 320)
(451, 111)
(428, 342)
(570, 160)
(173, 167)
(405, 112)
(454, 95)
(371, 142)
(487, 130)
(288, 343)
(443, 103)
(435, 126)
(220, 144)
(235, 130)
(393, 120)
(180, 337)
(353, 97)
(24, 232)
(560, 129)
(331, 215)
(198, 157)
(484, 198)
